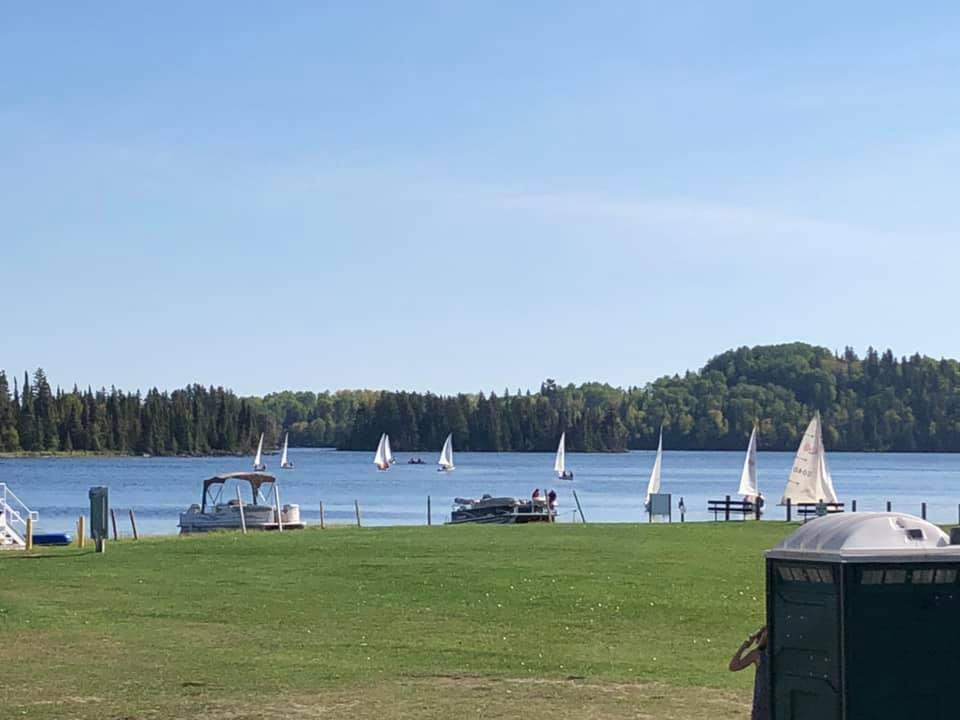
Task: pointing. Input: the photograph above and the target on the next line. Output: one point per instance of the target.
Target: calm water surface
(610, 487)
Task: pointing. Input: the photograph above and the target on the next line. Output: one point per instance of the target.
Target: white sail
(560, 463)
(826, 480)
(446, 454)
(283, 456)
(810, 480)
(748, 477)
(380, 459)
(258, 460)
(653, 486)
(387, 454)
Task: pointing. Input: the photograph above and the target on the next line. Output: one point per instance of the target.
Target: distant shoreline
(74, 454)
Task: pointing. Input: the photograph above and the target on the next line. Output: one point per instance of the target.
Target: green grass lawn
(584, 621)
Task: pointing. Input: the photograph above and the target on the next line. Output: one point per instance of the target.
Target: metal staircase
(13, 520)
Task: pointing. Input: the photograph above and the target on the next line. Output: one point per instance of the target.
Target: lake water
(610, 486)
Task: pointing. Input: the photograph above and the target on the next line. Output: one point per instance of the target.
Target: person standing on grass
(754, 651)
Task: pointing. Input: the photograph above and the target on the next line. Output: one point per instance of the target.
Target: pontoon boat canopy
(256, 479)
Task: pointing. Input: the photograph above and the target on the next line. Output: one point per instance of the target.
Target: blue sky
(470, 195)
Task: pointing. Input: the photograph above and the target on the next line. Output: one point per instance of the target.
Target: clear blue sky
(470, 195)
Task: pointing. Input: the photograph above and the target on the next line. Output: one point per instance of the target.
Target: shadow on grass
(50, 556)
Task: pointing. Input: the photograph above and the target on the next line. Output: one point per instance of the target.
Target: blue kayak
(52, 538)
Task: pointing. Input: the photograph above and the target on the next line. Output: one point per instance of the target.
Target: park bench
(728, 507)
(809, 510)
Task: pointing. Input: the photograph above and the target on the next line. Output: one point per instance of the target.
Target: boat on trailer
(219, 510)
(501, 510)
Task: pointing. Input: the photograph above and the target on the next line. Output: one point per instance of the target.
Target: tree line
(874, 403)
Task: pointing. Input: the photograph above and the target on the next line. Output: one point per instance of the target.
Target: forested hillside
(874, 403)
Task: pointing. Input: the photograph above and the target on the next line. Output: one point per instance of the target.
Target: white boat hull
(227, 517)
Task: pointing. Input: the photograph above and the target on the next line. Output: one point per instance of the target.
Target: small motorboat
(416, 461)
(219, 510)
(501, 510)
(52, 539)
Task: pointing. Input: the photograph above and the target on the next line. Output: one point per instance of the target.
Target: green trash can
(99, 512)
(863, 611)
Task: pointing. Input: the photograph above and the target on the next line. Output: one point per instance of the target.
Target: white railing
(14, 513)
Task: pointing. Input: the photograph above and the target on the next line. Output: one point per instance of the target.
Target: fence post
(356, 507)
(276, 501)
(726, 510)
(923, 510)
(582, 518)
(789, 508)
(243, 517)
(113, 521)
(321, 515)
(133, 524)
(81, 535)
(29, 538)
(428, 511)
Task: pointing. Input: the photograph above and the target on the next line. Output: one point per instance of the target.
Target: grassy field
(612, 621)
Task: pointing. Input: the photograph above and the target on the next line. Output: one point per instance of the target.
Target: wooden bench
(729, 507)
(808, 510)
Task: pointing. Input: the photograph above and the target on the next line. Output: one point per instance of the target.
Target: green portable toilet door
(804, 616)
(903, 629)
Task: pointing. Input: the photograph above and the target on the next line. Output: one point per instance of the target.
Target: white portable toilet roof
(867, 537)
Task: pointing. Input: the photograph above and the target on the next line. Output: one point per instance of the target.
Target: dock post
(789, 508)
(133, 524)
(321, 516)
(81, 535)
(113, 521)
(580, 509)
(428, 511)
(923, 510)
(854, 507)
(243, 517)
(29, 538)
(726, 511)
(889, 506)
(356, 507)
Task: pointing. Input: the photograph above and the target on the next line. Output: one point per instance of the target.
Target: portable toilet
(863, 612)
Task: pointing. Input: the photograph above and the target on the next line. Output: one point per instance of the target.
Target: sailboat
(258, 460)
(284, 463)
(560, 462)
(810, 480)
(384, 457)
(388, 454)
(749, 488)
(653, 485)
(446, 455)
